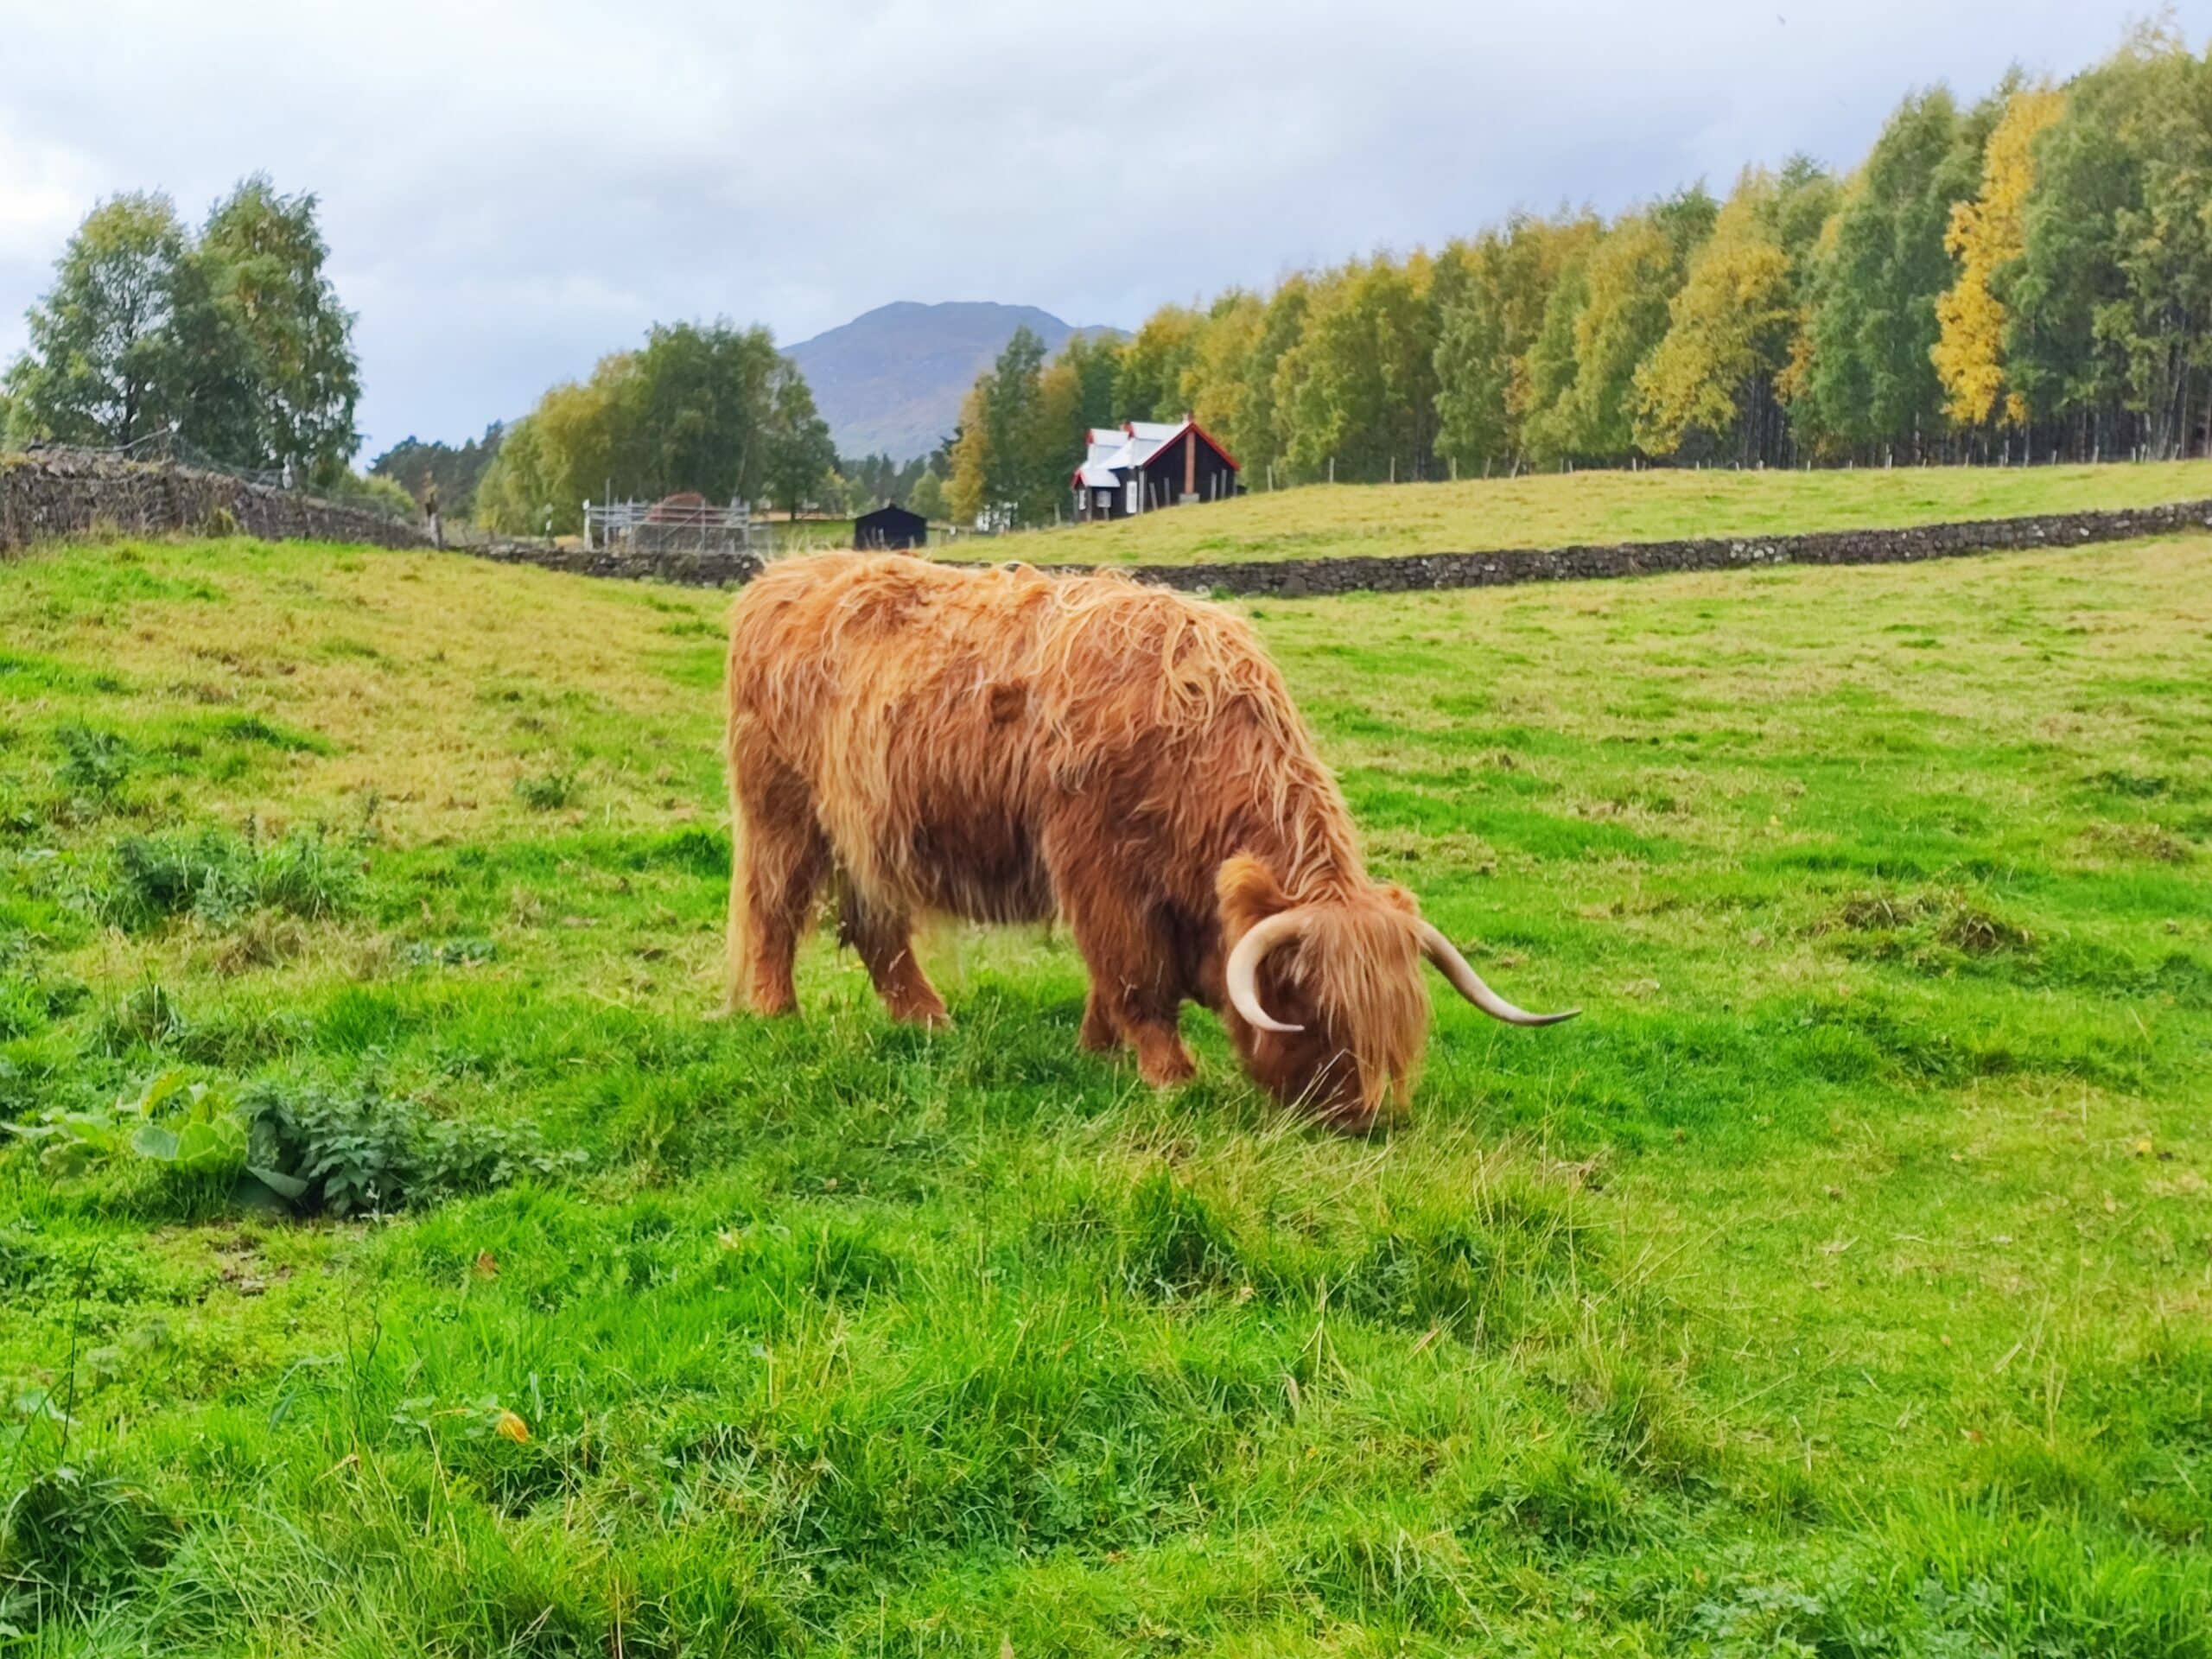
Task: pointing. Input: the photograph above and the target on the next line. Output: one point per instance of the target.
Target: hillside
(890, 381)
(1555, 510)
(1836, 1285)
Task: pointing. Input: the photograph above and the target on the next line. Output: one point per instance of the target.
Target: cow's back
(943, 720)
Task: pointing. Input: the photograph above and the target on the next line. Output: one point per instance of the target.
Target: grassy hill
(1837, 1284)
(1551, 510)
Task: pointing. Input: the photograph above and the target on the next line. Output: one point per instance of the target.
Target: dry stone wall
(1423, 572)
(49, 493)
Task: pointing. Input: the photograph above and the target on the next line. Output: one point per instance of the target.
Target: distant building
(1145, 465)
(889, 527)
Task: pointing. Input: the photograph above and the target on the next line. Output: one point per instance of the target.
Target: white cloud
(510, 190)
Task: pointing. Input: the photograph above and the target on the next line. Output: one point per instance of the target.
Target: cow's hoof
(1166, 1070)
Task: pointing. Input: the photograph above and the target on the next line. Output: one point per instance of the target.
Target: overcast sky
(511, 191)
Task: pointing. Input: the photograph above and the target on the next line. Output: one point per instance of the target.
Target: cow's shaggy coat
(1006, 745)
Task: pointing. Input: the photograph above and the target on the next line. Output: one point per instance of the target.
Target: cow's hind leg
(884, 939)
(778, 858)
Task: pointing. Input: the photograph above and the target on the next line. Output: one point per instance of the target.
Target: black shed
(890, 527)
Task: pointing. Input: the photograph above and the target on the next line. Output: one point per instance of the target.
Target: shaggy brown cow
(1007, 746)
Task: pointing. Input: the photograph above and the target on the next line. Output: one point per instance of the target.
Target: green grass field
(1551, 510)
(1838, 1285)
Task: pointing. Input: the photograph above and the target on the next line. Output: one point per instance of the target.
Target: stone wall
(688, 569)
(1421, 572)
(1418, 572)
(49, 493)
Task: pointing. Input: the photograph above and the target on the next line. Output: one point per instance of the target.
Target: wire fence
(677, 524)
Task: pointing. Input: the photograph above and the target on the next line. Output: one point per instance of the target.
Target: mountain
(890, 381)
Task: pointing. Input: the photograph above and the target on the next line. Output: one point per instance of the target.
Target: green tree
(264, 256)
(1148, 378)
(1631, 277)
(1548, 429)
(800, 459)
(1871, 382)
(1489, 314)
(523, 488)
(1359, 388)
(456, 470)
(130, 342)
(927, 497)
(1216, 385)
(1095, 361)
(2106, 309)
(695, 410)
(1282, 324)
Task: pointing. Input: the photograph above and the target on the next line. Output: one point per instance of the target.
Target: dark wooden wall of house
(1165, 474)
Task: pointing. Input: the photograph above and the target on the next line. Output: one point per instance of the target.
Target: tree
(456, 470)
(1148, 379)
(1730, 328)
(1095, 361)
(927, 497)
(696, 410)
(1282, 324)
(129, 342)
(264, 254)
(2105, 309)
(705, 407)
(1986, 236)
(1631, 276)
(1547, 430)
(1870, 379)
(522, 490)
(800, 457)
(1359, 388)
(1013, 414)
(1489, 314)
(968, 483)
(1474, 378)
(1216, 387)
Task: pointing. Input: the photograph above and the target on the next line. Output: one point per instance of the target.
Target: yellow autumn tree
(1729, 329)
(971, 460)
(1986, 235)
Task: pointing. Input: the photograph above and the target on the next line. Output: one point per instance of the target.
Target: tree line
(225, 342)
(452, 470)
(2024, 278)
(704, 407)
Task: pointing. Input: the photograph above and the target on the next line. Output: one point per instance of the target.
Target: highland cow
(1006, 745)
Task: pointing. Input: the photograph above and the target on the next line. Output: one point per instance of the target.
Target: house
(890, 527)
(1143, 465)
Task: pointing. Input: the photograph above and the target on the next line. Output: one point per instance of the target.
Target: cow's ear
(1249, 894)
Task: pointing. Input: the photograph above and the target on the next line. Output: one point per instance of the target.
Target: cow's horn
(1244, 965)
(1468, 984)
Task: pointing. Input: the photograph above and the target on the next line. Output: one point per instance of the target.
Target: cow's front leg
(1099, 1034)
(1137, 991)
(1161, 1057)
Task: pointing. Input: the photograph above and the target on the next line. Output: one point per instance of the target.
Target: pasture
(1553, 509)
(1837, 1285)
